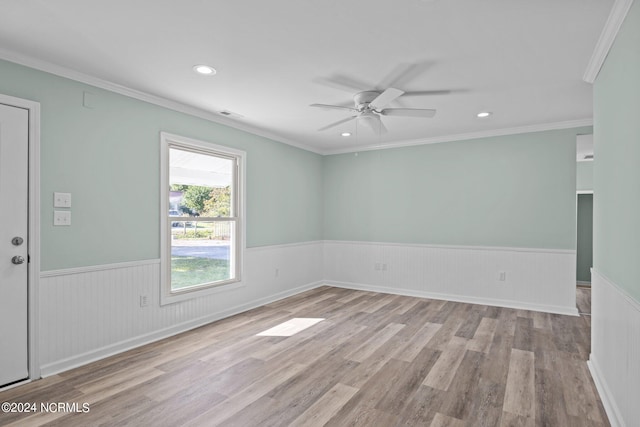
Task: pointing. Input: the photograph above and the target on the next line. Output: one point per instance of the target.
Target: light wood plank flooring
(583, 302)
(376, 360)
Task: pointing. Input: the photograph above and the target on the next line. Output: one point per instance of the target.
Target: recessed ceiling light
(484, 114)
(346, 134)
(204, 69)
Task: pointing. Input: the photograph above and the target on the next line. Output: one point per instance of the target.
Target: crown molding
(466, 136)
(170, 104)
(607, 37)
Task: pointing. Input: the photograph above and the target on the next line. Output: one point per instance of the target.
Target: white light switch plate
(61, 200)
(61, 217)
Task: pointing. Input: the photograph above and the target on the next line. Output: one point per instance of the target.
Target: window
(202, 217)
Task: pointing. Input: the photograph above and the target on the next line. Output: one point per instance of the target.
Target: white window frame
(168, 141)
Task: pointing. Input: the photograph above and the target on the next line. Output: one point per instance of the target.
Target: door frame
(33, 240)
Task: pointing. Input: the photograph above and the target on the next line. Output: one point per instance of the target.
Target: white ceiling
(521, 60)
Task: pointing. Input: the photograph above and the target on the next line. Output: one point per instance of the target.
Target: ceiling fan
(369, 107)
(370, 101)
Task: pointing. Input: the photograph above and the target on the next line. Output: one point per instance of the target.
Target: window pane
(201, 253)
(200, 184)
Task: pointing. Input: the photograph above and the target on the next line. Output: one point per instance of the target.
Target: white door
(14, 158)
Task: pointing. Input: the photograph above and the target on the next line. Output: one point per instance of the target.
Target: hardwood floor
(376, 360)
(583, 302)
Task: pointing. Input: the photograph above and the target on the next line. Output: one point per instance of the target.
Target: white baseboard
(610, 407)
(14, 385)
(457, 298)
(119, 347)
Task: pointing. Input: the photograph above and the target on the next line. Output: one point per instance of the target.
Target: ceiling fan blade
(334, 107)
(343, 83)
(374, 123)
(408, 112)
(338, 123)
(404, 73)
(430, 92)
(348, 103)
(385, 97)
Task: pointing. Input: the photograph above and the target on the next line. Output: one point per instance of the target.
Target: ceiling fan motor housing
(363, 99)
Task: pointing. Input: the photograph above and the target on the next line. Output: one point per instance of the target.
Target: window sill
(167, 298)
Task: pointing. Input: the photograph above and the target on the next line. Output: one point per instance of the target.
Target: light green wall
(108, 158)
(584, 176)
(584, 249)
(616, 172)
(514, 191)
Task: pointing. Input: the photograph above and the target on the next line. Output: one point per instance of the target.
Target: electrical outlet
(62, 218)
(144, 300)
(61, 200)
(502, 276)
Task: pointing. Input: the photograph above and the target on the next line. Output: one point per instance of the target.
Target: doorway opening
(584, 252)
(584, 244)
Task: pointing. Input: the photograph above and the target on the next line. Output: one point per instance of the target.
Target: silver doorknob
(17, 260)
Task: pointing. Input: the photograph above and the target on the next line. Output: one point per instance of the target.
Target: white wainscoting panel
(88, 314)
(615, 350)
(535, 279)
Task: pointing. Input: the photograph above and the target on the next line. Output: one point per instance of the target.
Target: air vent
(231, 114)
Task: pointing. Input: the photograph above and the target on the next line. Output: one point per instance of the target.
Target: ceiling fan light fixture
(484, 114)
(205, 70)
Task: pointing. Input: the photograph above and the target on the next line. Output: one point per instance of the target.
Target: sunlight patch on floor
(290, 327)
